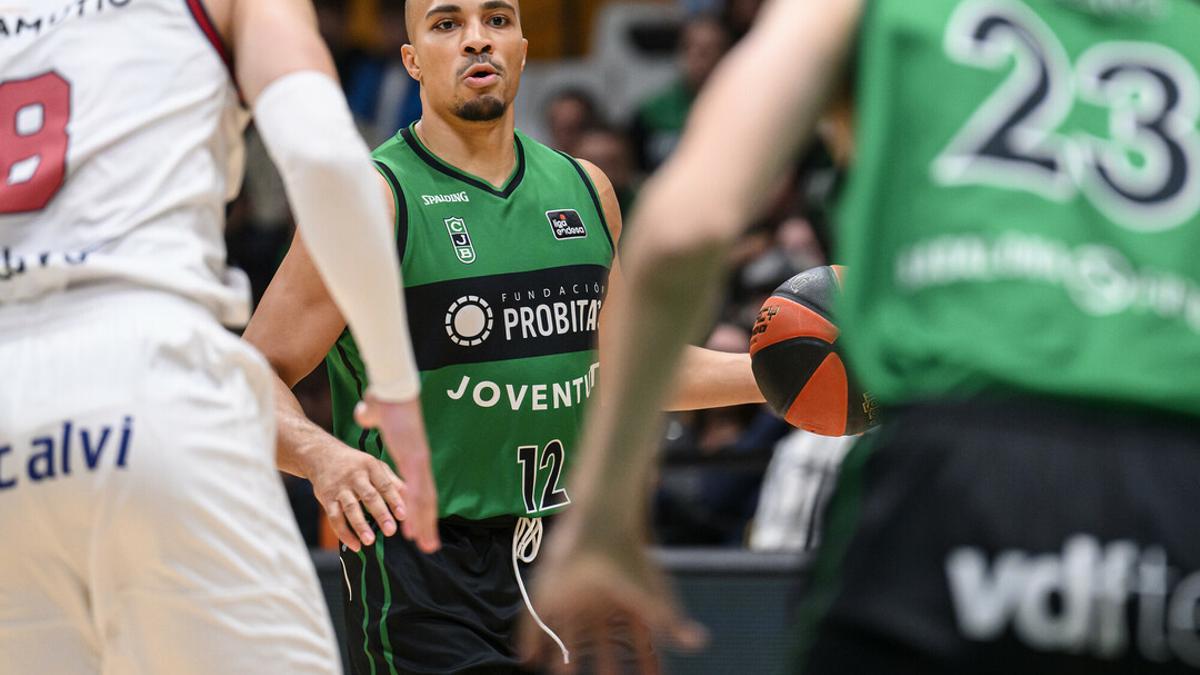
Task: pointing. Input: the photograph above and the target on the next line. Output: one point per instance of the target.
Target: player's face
(467, 54)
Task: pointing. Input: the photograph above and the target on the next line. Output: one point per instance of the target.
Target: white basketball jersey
(120, 144)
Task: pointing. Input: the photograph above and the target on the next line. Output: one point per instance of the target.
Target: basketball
(796, 362)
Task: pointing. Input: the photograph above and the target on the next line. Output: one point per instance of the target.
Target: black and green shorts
(1011, 536)
(454, 611)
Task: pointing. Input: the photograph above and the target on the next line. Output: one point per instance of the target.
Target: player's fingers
(354, 516)
(691, 635)
(422, 502)
(376, 506)
(674, 626)
(604, 661)
(392, 489)
(431, 500)
(662, 617)
(337, 521)
(643, 648)
(425, 538)
(685, 634)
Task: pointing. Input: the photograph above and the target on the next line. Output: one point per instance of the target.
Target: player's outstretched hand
(403, 431)
(589, 585)
(344, 480)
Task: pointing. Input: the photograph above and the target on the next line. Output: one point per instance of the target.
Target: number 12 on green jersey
(551, 459)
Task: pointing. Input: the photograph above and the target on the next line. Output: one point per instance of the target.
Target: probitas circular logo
(469, 321)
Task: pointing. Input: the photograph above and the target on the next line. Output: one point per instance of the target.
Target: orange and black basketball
(796, 361)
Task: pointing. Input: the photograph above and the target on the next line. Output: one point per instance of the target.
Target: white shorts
(143, 526)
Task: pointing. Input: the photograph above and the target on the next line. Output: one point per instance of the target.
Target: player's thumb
(672, 626)
(688, 635)
(366, 415)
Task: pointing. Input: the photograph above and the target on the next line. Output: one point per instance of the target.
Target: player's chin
(481, 108)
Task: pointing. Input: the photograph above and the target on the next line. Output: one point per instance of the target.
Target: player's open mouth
(481, 75)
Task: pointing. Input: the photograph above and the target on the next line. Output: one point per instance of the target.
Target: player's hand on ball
(403, 431)
(797, 358)
(344, 480)
(591, 585)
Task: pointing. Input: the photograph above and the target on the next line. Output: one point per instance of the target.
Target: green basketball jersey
(1023, 209)
(504, 288)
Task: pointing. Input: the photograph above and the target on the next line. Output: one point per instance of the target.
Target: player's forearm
(712, 379)
(343, 218)
(298, 438)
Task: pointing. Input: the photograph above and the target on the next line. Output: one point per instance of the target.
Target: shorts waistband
(495, 522)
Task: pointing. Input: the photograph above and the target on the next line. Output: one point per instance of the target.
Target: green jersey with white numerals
(504, 288)
(1023, 210)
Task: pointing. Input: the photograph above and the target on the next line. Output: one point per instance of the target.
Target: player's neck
(483, 149)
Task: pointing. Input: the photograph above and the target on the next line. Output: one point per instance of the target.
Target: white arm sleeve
(340, 210)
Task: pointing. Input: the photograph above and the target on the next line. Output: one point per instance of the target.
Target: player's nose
(475, 39)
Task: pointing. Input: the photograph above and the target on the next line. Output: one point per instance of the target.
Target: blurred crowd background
(613, 83)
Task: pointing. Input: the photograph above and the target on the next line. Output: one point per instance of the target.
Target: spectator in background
(757, 262)
(794, 491)
(659, 121)
(381, 94)
(331, 22)
(702, 6)
(798, 242)
(739, 16)
(569, 113)
(610, 150)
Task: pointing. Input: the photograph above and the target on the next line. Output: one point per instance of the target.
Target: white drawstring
(346, 576)
(527, 541)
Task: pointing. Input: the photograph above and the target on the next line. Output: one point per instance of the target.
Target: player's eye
(444, 24)
(498, 21)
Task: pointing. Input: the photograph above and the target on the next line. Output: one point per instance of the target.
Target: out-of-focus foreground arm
(761, 103)
(707, 378)
(287, 77)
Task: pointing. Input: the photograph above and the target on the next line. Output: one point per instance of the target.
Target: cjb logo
(461, 240)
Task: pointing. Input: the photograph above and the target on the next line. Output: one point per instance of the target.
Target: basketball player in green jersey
(1020, 226)
(507, 252)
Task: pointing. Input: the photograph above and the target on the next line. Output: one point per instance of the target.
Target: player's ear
(524, 52)
(409, 55)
